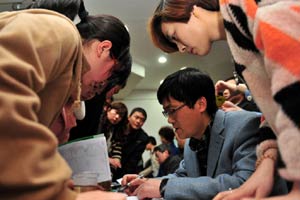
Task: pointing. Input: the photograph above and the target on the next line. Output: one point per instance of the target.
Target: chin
(85, 97)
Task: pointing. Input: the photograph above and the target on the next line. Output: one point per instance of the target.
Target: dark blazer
(231, 158)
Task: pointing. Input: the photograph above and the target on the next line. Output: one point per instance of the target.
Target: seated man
(151, 166)
(220, 153)
(168, 162)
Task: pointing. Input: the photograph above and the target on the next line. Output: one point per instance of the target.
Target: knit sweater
(264, 38)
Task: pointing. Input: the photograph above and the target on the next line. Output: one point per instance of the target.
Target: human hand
(134, 181)
(99, 195)
(115, 163)
(229, 106)
(220, 86)
(149, 189)
(255, 186)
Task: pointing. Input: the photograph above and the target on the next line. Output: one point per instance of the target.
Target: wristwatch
(162, 187)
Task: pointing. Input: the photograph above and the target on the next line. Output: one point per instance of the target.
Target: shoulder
(45, 24)
(242, 115)
(234, 122)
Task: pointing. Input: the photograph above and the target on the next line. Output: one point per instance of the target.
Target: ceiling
(147, 72)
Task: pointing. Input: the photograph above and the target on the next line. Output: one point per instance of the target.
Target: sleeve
(31, 167)
(236, 164)
(116, 150)
(132, 164)
(277, 35)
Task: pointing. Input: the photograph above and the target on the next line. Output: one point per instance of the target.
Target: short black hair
(152, 140)
(188, 85)
(167, 132)
(139, 109)
(162, 148)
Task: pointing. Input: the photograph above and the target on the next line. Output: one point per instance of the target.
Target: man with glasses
(220, 152)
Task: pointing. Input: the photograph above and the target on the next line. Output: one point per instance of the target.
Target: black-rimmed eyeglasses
(169, 112)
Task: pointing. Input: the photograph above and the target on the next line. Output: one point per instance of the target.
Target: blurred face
(187, 122)
(149, 146)
(113, 116)
(136, 120)
(191, 37)
(226, 94)
(101, 64)
(163, 140)
(161, 156)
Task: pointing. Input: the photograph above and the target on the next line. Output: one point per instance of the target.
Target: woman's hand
(259, 185)
(115, 163)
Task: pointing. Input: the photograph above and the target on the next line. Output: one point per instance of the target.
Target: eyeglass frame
(167, 113)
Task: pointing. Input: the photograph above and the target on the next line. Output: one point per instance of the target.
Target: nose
(181, 48)
(170, 120)
(117, 116)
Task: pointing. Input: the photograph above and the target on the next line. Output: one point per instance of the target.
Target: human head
(188, 85)
(166, 134)
(106, 44)
(151, 143)
(174, 11)
(193, 92)
(162, 152)
(137, 118)
(117, 113)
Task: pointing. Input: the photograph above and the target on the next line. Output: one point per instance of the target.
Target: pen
(124, 187)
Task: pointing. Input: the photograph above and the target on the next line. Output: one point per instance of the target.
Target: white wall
(147, 100)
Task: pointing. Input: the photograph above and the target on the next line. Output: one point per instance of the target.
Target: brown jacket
(40, 66)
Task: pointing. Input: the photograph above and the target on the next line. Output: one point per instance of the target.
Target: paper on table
(88, 155)
(132, 198)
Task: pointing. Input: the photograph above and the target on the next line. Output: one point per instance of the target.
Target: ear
(201, 104)
(103, 46)
(196, 11)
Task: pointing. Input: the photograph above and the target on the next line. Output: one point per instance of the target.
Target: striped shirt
(264, 38)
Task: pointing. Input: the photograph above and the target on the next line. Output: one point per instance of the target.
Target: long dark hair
(119, 129)
(101, 27)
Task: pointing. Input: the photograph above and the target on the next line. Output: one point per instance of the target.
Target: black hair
(139, 109)
(101, 27)
(106, 27)
(188, 85)
(152, 140)
(120, 75)
(119, 129)
(167, 132)
(162, 148)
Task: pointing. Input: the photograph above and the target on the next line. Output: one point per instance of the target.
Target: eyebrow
(169, 107)
(167, 36)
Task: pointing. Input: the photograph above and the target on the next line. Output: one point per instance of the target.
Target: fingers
(230, 195)
(222, 195)
(128, 178)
